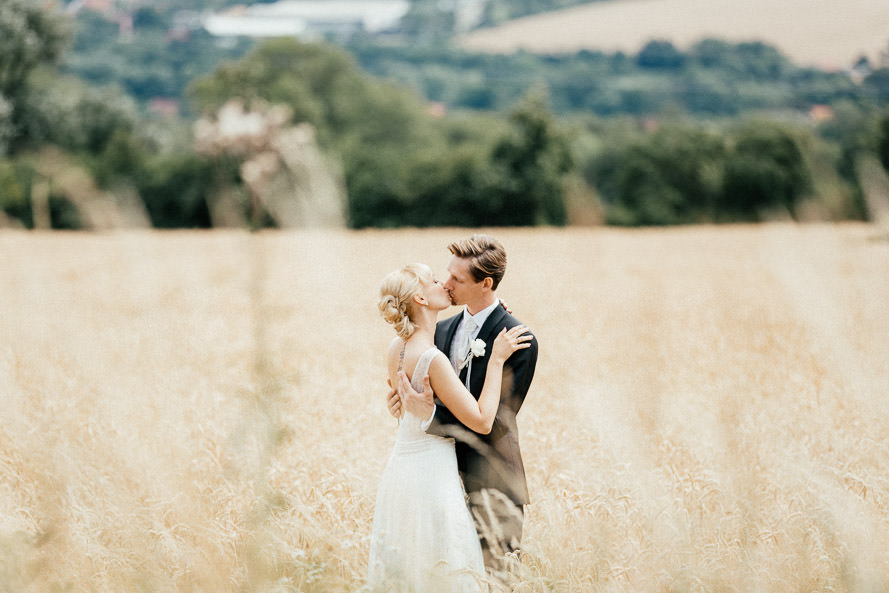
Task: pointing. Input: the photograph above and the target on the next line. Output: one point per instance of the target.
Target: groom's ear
(488, 283)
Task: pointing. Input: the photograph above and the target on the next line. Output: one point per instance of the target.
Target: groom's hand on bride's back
(393, 401)
(420, 404)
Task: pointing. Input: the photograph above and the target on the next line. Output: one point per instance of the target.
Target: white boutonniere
(476, 348)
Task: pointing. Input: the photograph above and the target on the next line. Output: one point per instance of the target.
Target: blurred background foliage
(420, 132)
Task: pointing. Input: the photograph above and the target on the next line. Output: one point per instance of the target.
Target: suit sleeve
(521, 365)
(518, 373)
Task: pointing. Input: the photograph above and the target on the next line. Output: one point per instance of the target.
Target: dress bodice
(410, 428)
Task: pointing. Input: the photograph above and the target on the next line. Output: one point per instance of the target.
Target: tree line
(713, 78)
(527, 158)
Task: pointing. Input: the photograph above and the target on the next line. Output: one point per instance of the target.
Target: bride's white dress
(423, 538)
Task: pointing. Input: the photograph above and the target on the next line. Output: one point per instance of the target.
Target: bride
(423, 538)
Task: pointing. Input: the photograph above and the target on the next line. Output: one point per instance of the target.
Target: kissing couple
(451, 500)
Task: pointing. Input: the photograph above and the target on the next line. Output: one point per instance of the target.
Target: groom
(491, 464)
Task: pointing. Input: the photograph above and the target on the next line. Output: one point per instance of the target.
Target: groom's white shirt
(479, 319)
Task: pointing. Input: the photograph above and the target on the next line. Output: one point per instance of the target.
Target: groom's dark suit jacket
(489, 460)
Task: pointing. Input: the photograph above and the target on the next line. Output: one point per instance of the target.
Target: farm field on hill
(204, 411)
(823, 33)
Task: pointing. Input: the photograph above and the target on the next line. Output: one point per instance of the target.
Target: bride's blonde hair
(397, 295)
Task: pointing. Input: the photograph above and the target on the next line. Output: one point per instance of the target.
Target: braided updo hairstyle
(397, 294)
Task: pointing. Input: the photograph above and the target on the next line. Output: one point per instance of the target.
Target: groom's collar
(482, 316)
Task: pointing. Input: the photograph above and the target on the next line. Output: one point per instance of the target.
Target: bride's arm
(477, 415)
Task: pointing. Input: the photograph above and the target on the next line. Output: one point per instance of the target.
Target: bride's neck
(425, 321)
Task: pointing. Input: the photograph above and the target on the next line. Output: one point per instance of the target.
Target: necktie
(465, 340)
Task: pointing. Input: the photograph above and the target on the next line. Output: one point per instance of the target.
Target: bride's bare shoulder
(395, 346)
(393, 353)
(440, 365)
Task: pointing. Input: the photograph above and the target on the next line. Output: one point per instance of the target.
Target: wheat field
(821, 33)
(204, 411)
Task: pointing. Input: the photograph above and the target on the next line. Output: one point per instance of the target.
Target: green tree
(851, 134)
(429, 22)
(378, 131)
(660, 54)
(708, 91)
(532, 161)
(644, 196)
(96, 133)
(30, 35)
(148, 18)
(883, 140)
(878, 82)
(175, 190)
(68, 113)
(155, 60)
(7, 125)
(320, 83)
(765, 171)
(455, 189)
(671, 176)
(15, 191)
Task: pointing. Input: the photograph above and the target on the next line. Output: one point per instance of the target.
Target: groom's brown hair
(486, 256)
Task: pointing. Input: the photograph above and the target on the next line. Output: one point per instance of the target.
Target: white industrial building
(307, 18)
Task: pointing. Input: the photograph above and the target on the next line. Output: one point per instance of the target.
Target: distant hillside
(824, 33)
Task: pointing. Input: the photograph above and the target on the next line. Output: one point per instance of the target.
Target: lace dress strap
(422, 368)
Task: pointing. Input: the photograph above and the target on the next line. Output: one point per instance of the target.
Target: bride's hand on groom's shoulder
(505, 306)
(510, 340)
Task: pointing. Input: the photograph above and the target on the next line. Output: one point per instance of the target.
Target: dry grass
(204, 411)
(823, 33)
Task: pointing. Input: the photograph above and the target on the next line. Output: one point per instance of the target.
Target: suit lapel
(488, 333)
(445, 336)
